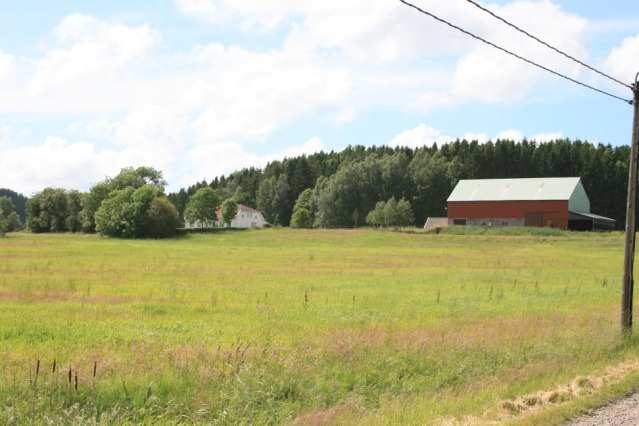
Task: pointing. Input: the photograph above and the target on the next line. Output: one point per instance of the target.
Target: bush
(135, 213)
(161, 219)
(391, 213)
(301, 218)
(118, 215)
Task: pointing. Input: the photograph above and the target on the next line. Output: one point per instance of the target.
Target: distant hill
(19, 201)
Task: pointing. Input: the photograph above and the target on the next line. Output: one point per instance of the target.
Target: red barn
(553, 202)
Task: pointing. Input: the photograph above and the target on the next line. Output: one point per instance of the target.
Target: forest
(359, 186)
(341, 188)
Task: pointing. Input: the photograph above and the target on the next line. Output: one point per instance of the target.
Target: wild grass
(312, 327)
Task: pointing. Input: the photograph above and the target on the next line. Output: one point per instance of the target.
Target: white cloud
(4, 135)
(424, 135)
(379, 32)
(55, 162)
(488, 75)
(309, 147)
(479, 137)
(7, 66)
(547, 137)
(204, 160)
(89, 50)
(623, 60)
(203, 110)
(421, 135)
(511, 135)
(248, 94)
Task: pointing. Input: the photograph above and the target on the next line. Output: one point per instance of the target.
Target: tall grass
(267, 327)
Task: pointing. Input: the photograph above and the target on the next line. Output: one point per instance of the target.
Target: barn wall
(555, 213)
(579, 201)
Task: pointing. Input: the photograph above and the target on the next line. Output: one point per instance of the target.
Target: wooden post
(630, 237)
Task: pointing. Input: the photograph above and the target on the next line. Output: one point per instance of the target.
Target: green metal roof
(526, 189)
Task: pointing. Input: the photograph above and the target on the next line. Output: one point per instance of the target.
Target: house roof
(242, 207)
(527, 189)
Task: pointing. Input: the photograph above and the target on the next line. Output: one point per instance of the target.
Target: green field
(313, 327)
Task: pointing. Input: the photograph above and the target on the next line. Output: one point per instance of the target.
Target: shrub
(391, 213)
(134, 213)
(301, 218)
(161, 219)
(118, 214)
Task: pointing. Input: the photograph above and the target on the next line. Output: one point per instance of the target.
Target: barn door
(535, 219)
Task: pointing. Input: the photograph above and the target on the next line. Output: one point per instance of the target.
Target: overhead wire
(509, 52)
(537, 39)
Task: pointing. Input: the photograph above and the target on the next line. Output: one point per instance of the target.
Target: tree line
(340, 189)
(132, 204)
(376, 186)
(18, 201)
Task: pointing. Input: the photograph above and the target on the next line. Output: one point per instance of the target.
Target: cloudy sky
(199, 88)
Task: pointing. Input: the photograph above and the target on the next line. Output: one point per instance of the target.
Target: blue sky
(199, 88)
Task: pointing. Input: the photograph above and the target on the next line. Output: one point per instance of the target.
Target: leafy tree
(305, 200)
(273, 200)
(137, 213)
(92, 202)
(202, 207)
(9, 220)
(47, 211)
(160, 219)
(349, 183)
(391, 213)
(73, 220)
(376, 216)
(229, 211)
(241, 197)
(127, 178)
(434, 178)
(301, 218)
(405, 214)
(118, 215)
(19, 202)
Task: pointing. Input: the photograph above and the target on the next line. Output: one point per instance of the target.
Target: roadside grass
(312, 327)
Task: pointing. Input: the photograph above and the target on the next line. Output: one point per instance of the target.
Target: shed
(553, 202)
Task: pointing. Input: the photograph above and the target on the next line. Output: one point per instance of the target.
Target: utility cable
(537, 39)
(489, 43)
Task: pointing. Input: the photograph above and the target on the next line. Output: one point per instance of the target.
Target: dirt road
(624, 412)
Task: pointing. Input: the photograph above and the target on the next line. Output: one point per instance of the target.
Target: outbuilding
(551, 202)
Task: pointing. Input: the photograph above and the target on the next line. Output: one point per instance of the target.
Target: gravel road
(624, 412)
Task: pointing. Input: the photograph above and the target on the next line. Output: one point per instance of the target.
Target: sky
(200, 88)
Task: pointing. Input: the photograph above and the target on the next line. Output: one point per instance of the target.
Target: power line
(483, 40)
(537, 39)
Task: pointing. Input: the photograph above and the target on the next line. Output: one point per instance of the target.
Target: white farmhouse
(246, 217)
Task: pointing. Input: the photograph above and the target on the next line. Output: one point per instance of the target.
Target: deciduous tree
(229, 211)
(201, 208)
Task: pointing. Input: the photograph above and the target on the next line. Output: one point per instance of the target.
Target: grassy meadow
(285, 326)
